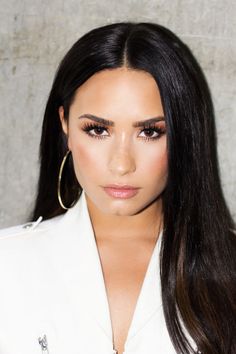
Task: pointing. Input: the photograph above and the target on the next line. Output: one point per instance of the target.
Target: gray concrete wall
(34, 35)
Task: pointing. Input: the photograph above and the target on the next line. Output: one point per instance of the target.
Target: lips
(120, 186)
(121, 191)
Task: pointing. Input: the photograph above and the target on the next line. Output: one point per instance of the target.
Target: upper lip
(120, 186)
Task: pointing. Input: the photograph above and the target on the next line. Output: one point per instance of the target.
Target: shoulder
(29, 228)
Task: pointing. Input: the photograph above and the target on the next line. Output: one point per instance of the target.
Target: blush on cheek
(159, 171)
(158, 164)
(84, 158)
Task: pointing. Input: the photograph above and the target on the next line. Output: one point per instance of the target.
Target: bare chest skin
(124, 267)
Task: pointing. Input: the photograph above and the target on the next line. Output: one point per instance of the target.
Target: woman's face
(124, 151)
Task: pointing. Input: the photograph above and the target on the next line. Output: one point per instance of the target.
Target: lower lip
(121, 193)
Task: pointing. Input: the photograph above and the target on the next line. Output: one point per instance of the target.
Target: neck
(144, 226)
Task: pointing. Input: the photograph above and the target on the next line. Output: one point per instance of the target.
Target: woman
(144, 261)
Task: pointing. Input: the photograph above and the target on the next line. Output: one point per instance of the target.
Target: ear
(64, 125)
(62, 119)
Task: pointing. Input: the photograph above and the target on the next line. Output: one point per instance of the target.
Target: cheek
(158, 165)
(85, 158)
(156, 160)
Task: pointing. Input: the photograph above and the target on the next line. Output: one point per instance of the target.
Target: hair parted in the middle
(198, 254)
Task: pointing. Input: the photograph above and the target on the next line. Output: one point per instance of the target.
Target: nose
(122, 162)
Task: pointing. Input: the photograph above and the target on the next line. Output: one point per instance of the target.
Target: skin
(126, 230)
(123, 155)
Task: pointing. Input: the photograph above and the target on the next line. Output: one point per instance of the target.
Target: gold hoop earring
(59, 183)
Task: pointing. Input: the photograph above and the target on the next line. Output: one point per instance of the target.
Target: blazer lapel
(149, 299)
(77, 258)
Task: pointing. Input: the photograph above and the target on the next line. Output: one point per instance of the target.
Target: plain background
(35, 35)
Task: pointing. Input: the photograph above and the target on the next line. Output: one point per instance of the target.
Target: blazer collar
(76, 257)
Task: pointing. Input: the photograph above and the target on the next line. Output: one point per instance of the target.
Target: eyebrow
(110, 123)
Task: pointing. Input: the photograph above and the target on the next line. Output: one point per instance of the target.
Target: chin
(123, 211)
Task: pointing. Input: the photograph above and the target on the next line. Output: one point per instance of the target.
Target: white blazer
(52, 285)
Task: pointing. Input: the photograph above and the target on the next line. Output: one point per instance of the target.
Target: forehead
(123, 90)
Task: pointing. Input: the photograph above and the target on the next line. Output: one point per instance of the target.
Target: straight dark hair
(198, 250)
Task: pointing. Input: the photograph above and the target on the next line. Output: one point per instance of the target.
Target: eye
(153, 133)
(98, 130)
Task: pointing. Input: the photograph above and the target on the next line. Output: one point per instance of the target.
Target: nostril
(122, 164)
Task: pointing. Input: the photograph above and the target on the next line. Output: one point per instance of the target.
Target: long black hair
(198, 251)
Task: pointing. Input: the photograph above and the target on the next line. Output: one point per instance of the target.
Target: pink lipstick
(121, 191)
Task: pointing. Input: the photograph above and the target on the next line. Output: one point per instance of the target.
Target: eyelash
(89, 126)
